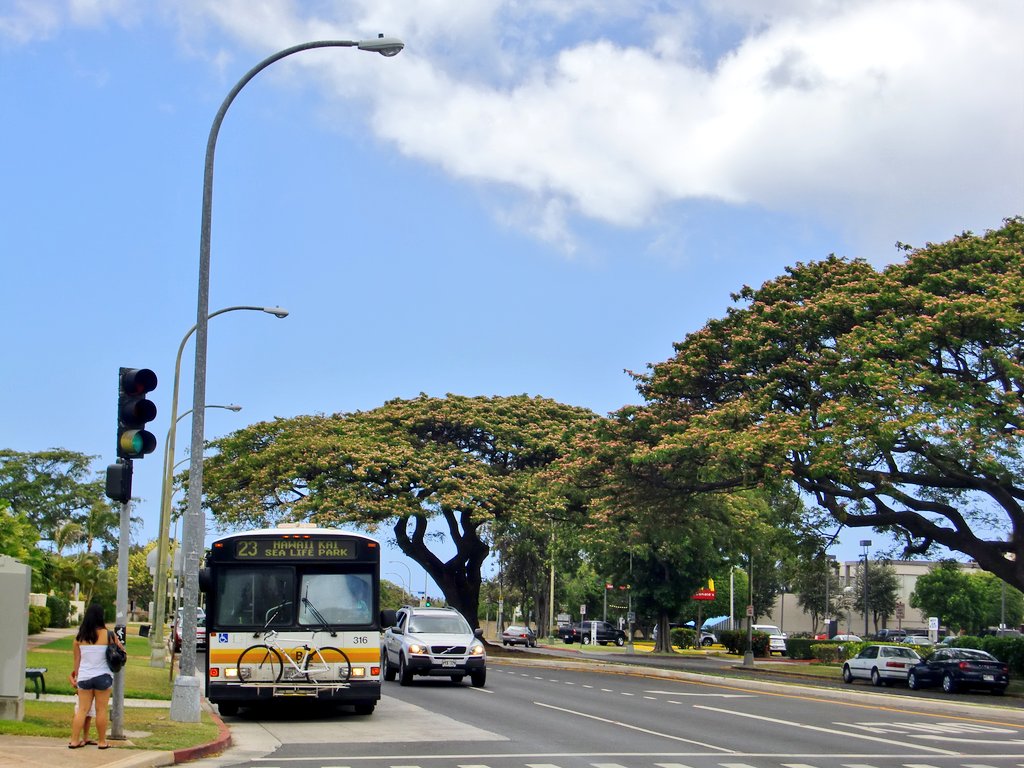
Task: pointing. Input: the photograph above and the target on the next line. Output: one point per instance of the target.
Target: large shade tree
(895, 396)
(437, 471)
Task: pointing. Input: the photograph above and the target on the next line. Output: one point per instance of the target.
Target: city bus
(293, 611)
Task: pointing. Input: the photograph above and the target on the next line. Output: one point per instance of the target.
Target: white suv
(776, 638)
(433, 641)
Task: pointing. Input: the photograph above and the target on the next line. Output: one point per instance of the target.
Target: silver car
(436, 642)
(881, 664)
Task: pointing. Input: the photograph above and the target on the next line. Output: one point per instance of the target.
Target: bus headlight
(357, 672)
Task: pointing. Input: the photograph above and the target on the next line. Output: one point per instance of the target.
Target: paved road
(551, 717)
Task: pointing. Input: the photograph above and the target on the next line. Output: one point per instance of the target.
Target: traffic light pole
(121, 620)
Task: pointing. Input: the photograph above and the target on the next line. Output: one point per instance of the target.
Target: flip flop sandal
(90, 742)
(76, 746)
(103, 746)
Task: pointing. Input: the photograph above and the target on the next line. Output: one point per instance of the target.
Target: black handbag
(116, 655)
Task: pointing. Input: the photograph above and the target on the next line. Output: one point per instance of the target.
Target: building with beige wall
(788, 615)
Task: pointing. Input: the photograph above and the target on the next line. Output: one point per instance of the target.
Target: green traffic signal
(133, 411)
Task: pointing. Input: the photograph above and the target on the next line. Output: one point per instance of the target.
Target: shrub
(38, 619)
(735, 641)
(60, 609)
(800, 647)
(684, 637)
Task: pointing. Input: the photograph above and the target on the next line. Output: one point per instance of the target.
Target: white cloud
(860, 113)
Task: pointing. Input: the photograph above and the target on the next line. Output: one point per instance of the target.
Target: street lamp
(159, 608)
(829, 563)
(408, 570)
(185, 697)
(865, 543)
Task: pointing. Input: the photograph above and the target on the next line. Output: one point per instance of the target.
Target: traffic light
(119, 481)
(133, 411)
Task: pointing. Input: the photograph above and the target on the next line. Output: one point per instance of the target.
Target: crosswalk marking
(919, 765)
(797, 765)
(858, 765)
(608, 765)
(671, 765)
(736, 765)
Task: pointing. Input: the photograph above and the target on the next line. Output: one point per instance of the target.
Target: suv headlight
(417, 648)
(476, 650)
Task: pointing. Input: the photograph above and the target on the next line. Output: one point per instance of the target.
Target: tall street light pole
(185, 697)
(156, 642)
(865, 543)
(163, 544)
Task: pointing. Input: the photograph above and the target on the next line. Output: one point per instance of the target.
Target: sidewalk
(43, 752)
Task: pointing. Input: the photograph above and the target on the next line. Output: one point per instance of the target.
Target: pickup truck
(581, 633)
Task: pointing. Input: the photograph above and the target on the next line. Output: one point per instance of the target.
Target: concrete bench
(35, 674)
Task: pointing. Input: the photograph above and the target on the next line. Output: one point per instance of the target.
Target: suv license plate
(447, 663)
(988, 678)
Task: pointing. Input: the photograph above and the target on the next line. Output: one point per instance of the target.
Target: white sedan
(881, 664)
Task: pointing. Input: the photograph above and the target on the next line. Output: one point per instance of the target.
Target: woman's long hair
(92, 622)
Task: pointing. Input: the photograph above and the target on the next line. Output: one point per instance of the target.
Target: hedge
(38, 619)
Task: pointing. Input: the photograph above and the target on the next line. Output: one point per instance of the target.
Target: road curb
(215, 747)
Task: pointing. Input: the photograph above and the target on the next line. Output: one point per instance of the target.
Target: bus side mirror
(388, 618)
(205, 580)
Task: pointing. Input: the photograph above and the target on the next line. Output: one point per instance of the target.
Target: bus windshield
(249, 597)
(337, 598)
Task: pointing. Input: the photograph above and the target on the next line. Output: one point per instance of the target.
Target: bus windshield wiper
(318, 616)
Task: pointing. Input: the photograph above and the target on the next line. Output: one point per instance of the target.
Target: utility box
(15, 584)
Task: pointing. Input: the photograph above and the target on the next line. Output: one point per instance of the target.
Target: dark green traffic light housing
(133, 411)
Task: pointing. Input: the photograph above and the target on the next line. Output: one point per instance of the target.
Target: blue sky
(532, 197)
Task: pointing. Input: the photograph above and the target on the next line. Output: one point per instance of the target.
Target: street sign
(583, 610)
(750, 610)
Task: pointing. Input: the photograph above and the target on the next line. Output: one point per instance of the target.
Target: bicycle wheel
(260, 664)
(327, 665)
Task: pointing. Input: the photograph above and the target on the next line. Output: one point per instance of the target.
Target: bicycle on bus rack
(268, 661)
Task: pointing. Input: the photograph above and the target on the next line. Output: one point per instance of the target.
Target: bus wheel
(228, 708)
(365, 707)
(260, 664)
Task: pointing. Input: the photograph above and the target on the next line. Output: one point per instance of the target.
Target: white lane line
(542, 765)
(481, 690)
(919, 765)
(473, 765)
(736, 765)
(636, 728)
(587, 686)
(859, 765)
(652, 698)
(820, 729)
(671, 765)
(607, 690)
(977, 765)
(627, 694)
(797, 765)
(608, 765)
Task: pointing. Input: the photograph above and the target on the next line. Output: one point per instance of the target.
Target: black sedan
(956, 668)
(516, 635)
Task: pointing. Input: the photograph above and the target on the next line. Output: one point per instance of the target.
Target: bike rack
(297, 689)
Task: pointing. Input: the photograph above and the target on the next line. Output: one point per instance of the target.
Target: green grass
(146, 727)
(141, 680)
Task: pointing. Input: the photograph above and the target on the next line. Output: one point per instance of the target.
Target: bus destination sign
(294, 549)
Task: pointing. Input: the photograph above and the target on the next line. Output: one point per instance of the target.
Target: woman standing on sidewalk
(91, 675)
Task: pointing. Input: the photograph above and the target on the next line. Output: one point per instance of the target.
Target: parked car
(434, 642)
(890, 635)
(960, 668)
(848, 638)
(174, 638)
(881, 664)
(776, 638)
(516, 635)
(918, 640)
(606, 632)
